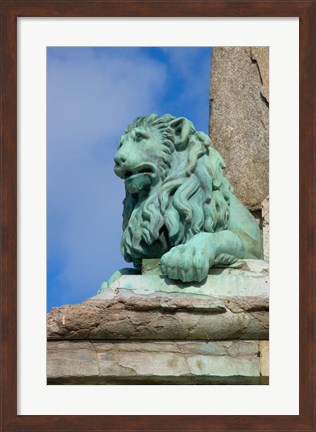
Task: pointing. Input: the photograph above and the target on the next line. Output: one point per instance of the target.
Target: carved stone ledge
(233, 303)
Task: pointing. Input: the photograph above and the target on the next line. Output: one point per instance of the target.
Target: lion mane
(191, 195)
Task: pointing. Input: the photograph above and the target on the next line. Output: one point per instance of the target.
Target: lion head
(174, 185)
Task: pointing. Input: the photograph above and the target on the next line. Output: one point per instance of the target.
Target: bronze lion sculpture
(179, 207)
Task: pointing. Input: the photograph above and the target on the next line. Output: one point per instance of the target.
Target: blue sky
(92, 94)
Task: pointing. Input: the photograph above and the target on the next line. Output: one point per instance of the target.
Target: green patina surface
(179, 207)
(245, 278)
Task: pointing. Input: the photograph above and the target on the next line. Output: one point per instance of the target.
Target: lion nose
(119, 159)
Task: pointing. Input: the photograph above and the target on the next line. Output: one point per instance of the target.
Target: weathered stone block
(239, 123)
(264, 357)
(77, 359)
(154, 362)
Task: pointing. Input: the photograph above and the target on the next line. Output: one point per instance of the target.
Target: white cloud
(91, 96)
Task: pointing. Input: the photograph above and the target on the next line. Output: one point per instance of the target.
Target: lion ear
(182, 128)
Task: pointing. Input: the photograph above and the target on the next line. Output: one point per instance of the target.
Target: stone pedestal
(145, 329)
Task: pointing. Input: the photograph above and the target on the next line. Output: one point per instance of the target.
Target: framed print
(146, 354)
(28, 30)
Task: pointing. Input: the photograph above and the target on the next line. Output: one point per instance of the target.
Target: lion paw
(186, 262)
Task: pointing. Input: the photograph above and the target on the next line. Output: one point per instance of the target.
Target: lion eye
(139, 138)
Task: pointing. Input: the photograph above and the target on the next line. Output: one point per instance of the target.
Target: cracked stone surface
(239, 122)
(233, 303)
(203, 362)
